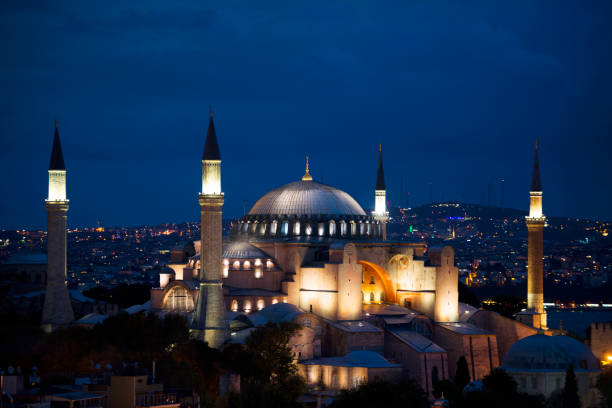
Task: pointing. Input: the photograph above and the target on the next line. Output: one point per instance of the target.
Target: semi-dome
(550, 353)
(306, 198)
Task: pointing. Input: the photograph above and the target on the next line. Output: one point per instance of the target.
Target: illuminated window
(368, 227)
(258, 262)
(343, 228)
(260, 304)
(234, 305)
(361, 228)
(273, 227)
(371, 296)
(247, 265)
(308, 229)
(353, 228)
(247, 306)
(269, 264)
(236, 264)
(262, 229)
(332, 228)
(225, 271)
(253, 227)
(258, 273)
(285, 228)
(180, 300)
(321, 229)
(274, 301)
(296, 228)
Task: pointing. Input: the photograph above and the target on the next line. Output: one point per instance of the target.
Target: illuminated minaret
(57, 309)
(535, 225)
(209, 322)
(380, 212)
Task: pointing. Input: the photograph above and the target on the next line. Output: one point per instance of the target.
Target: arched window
(247, 306)
(353, 228)
(371, 296)
(296, 228)
(260, 304)
(332, 228)
(321, 229)
(245, 227)
(234, 305)
(368, 227)
(262, 228)
(179, 300)
(382, 296)
(343, 228)
(308, 229)
(253, 227)
(361, 228)
(285, 228)
(273, 227)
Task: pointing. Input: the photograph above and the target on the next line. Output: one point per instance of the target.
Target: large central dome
(306, 198)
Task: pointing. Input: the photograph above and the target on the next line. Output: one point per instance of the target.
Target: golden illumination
(57, 185)
(260, 304)
(307, 176)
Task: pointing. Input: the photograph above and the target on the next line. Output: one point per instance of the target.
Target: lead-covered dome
(551, 353)
(307, 210)
(307, 198)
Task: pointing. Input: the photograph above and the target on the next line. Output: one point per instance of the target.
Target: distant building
(539, 363)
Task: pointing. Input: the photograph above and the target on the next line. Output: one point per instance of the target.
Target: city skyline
(133, 116)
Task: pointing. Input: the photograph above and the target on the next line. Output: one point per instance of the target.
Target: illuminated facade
(311, 249)
(57, 308)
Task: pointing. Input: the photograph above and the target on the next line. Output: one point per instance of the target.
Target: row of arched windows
(248, 305)
(328, 228)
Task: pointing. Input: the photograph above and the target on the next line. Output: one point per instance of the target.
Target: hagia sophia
(368, 307)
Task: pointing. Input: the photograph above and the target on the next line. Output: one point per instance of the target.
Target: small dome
(551, 353)
(306, 198)
(243, 250)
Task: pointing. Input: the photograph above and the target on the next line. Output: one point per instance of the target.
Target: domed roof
(549, 353)
(306, 198)
(243, 250)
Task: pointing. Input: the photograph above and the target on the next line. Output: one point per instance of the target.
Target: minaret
(209, 322)
(535, 225)
(57, 309)
(380, 212)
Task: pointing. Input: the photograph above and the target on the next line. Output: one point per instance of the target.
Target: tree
(500, 383)
(571, 399)
(605, 385)
(462, 375)
(383, 394)
(268, 374)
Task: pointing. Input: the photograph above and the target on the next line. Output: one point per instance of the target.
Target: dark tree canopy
(383, 394)
(462, 375)
(571, 399)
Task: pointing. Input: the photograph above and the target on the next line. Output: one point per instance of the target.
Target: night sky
(456, 92)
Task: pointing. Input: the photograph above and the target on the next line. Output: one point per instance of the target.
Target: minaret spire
(209, 321)
(536, 314)
(536, 182)
(380, 212)
(307, 176)
(57, 308)
(57, 157)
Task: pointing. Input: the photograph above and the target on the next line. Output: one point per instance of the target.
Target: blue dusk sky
(456, 92)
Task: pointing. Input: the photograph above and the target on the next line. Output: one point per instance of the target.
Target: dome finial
(307, 176)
